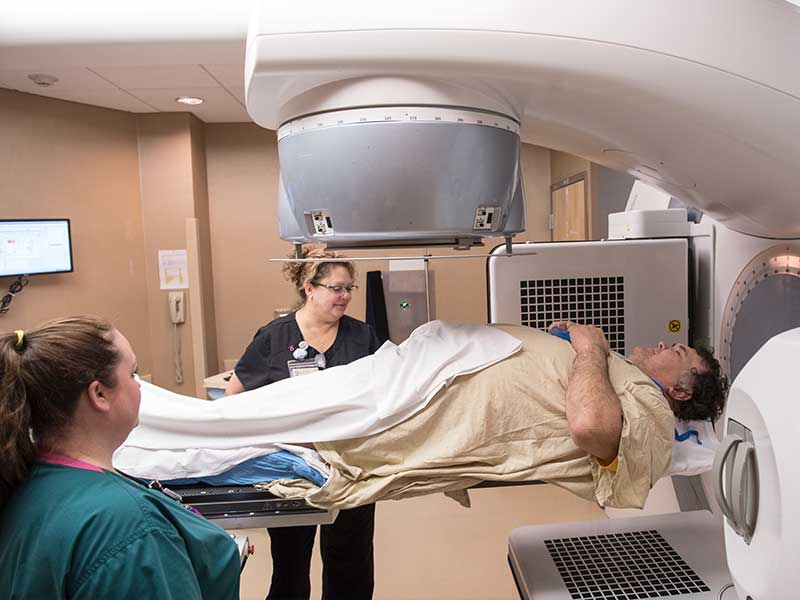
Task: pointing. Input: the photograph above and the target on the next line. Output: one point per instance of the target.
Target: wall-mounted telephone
(177, 307)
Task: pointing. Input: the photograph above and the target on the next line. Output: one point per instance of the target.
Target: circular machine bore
(764, 302)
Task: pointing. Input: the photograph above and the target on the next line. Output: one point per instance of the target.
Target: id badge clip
(306, 367)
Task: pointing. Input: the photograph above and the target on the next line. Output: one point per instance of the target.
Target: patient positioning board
(244, 507)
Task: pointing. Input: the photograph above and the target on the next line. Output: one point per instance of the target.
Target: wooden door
(568, 207)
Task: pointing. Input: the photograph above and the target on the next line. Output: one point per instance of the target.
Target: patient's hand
(584, 338)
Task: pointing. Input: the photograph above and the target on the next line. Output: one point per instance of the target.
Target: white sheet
(695, 454)
(180, 436)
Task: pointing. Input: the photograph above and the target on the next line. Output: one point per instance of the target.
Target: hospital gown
(504, 423)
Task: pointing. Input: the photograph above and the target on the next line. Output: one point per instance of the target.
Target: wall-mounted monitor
(32, 247)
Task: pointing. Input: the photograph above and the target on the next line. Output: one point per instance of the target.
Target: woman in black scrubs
(318, 326)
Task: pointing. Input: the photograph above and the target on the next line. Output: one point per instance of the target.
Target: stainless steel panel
(401, 182)
(406, 302)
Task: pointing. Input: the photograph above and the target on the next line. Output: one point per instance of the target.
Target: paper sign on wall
(173, 269)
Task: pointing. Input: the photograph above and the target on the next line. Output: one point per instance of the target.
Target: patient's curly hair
(709, 392)
(299, 273)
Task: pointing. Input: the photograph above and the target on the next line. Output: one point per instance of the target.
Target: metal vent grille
(595, 301)
(623, 566)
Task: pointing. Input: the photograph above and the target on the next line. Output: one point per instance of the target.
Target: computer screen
(30, 247)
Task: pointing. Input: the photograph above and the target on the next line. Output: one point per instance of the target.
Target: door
(568, 209)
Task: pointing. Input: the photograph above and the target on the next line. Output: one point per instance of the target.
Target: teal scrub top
(69, 532)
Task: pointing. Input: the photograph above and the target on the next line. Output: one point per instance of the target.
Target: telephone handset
(177, 308)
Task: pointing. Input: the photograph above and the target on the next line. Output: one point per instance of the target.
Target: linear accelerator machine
(401, 125)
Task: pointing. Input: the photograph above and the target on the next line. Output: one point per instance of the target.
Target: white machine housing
(607, 284)
(667, 222)
(759, 494)
(699, 99)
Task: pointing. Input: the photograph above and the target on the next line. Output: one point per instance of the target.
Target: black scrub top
(265, 360)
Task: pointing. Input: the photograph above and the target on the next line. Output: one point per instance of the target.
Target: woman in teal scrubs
(70, 525)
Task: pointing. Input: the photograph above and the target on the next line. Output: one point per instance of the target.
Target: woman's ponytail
(43, 373)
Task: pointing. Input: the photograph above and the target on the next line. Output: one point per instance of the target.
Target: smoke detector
(42, 79)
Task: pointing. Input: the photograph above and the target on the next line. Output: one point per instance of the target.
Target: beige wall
(243, 183)
(536, 168)
(167, 198)
(61, 159)
(563, 165)
(242, 165)
(173, 190)
(200, 185)
(127, 182)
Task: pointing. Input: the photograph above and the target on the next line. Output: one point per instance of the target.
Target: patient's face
(670, 365)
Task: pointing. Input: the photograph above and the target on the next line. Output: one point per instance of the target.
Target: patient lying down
(565, 412)
(571, 414)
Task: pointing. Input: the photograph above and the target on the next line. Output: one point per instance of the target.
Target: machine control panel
(486, 219)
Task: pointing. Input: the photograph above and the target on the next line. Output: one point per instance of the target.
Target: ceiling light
(189, 100)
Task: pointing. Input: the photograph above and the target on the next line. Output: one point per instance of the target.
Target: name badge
(306, 367)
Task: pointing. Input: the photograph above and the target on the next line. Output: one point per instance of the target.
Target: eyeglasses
(338, 289)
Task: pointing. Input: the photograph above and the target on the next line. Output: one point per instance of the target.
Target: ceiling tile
(69, 80)
(227, 75)
(228, 114)
(116, 99)
(238, 92)
(157, 77)
(219, 105)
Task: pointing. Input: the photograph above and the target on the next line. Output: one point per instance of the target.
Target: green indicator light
(404, 304)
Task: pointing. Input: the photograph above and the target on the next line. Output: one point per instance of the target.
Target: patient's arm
(594, 414)
(234, 385)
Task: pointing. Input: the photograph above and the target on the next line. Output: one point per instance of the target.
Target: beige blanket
(504, 423)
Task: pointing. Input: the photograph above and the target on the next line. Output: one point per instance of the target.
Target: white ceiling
(133, 58)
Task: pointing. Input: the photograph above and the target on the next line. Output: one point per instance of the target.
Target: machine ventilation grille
(595, 301)
(622, 566)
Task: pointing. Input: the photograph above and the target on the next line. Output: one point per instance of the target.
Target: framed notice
(173, 269)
